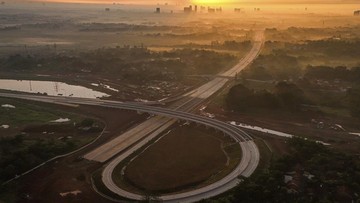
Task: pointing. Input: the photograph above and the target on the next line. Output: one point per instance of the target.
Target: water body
(50, 88)
(269, 131)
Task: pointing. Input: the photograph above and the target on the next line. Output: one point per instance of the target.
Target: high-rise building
(357, 13)
(237, 10)
(157, 10)
(211, 10)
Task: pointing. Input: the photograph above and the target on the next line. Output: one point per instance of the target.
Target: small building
(211, 10)
(214, 10)
(357, 13)
(157, 10)
(107, 9)
(237, 10)
(188, 9)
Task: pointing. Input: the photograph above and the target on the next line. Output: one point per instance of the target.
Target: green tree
(290, 95)
(353, 96)
(238, 96)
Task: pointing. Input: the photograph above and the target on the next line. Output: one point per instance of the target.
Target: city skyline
(203, 2)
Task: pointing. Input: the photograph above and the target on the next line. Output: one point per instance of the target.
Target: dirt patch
(184, 157)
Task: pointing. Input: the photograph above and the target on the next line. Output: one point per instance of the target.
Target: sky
(199, 1)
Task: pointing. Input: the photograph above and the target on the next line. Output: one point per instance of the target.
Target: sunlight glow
(212, 2)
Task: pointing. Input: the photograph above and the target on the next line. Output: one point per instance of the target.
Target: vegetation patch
(32, 138)
(285, 95)
(27, 113)
(131, 64)
(310, 173)
(185, 158)
(180, 159)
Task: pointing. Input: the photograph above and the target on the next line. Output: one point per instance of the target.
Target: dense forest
(285, 95)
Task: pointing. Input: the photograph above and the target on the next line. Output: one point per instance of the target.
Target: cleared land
(186, 157)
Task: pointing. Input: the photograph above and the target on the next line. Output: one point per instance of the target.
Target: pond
(52, 88)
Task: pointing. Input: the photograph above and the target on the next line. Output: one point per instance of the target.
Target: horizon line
(173, 4)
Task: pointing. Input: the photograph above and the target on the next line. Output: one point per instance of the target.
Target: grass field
(185, 158)
(30, 137)
(180, 159)
(26, 113)
(266, 154)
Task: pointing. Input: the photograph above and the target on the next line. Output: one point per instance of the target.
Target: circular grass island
(185, 158)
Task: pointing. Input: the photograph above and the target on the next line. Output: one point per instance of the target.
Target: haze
(179, 101)
(206, 2)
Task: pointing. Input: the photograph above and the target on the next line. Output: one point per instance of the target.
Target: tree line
(319, 175)
(285, 95)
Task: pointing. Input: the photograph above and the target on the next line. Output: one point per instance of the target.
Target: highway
(127, 143)
(248, 163)
(187, 103)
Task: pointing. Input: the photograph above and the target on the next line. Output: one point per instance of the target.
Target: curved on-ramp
(247, 165)
(250, 152)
